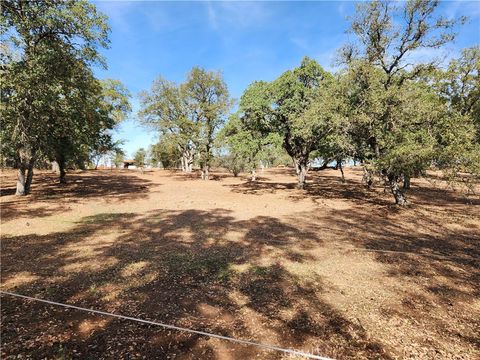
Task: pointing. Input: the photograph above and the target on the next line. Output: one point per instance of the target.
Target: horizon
(246, 41)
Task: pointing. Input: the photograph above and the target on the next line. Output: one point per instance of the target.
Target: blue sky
(247, 41)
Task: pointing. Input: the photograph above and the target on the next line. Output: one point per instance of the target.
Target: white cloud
(426, 55)
(299, 42)
(458, 8)
(117, 12)
(341, 8)
(236, 14)
(212, 15)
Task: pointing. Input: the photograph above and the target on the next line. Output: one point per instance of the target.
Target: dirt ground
(335, 270)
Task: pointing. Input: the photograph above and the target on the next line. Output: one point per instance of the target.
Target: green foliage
(247, 148)
(301, 108)
(273, 153)
(329, 115)
(118, 158)
(209, 100)
(458, 131)
(290, 97)
(394, 129)
(232, 162)
(50, 102)
(74, 25)
(115, 105)
(243, 146)
(188, 114)
(396, 117)
(166, 108)
(165, 152)
(111, 105)
(140, 158)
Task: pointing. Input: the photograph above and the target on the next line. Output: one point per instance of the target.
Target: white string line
(173, 327)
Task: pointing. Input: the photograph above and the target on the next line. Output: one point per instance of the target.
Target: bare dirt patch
(335, 269)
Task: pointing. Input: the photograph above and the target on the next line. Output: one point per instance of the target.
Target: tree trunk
(340, 166)
(205, 172)
(406, 182)
(60, 161)
(301, 169)
(28, 181)
(25, 174)
(55, 167)
(187, 159)
(302, 176)
(189, 162)
(400, 198)
(183, 162)
(62, 178)
(254, 175)
(296, 165)
(367, 177)
(21, 179)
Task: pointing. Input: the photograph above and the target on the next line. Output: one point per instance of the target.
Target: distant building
(128, 163)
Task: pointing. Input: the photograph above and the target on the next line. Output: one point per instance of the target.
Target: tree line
(395, 116)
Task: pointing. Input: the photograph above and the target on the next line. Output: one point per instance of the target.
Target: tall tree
(282, 107)
(167, 108)
(388, 34)
(90, 112)
(140, 158)
(110, 107)
(209, 101)
(245, 146)
(167, 152)
(459, 85)
(330, 114)
(459, 88)
(117, 158)
(46, 38)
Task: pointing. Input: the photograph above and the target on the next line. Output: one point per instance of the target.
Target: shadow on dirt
(210, 271)
(426, 254)
(46, 192)
(178, 267)
(323, 186)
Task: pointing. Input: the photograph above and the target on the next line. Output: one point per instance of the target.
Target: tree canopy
(52, 105)
(294, 107)
(189, 114)
(396, 116)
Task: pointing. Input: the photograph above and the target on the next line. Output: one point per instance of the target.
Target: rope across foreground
(173, 327)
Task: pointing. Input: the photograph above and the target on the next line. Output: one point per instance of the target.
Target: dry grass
(335, 269)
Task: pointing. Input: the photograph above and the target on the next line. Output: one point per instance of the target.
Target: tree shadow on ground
(7, 192)
(411, 233)
(438, 263)
(197, 269)
(321, 186)
(107, 184)
(197, 175)
(441, 196)
(51, 197)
